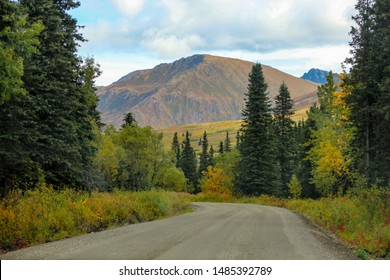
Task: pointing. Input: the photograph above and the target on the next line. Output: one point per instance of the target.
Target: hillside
(216, 131)
(196, 89)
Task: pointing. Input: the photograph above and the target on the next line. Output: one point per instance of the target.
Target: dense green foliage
(286, 144)
(227, 145)
(370, 86)
(188, 163)
(257, 171)
(18, 40)
(303, 166)
(46, 134)
(133, 158)
(176, 149)
(204, 158)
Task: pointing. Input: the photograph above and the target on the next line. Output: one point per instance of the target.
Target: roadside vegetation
(43, 215)
(64, 173)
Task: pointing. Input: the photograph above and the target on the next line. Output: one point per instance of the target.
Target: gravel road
(212, 231)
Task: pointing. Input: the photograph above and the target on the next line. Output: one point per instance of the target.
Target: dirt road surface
(213, 231)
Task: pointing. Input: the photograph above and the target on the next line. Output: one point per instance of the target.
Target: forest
(54, 148)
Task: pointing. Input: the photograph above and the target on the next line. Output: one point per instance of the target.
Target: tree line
(50, 129)
(48, 104)
(343, 143)
(51, 132)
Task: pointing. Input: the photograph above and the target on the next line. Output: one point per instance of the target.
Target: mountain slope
(196, 89)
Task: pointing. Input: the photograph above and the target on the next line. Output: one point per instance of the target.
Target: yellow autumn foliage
(331, 141)
(216, 181)
(43, 214)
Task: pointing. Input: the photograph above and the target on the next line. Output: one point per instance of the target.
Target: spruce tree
(238, 140)
(221, 148)
(304, 167)
(60, 105)
(188, 163)
(90, 70)
(257, 171)
(176, 148)
(284, 127)
(381, 54)
(204, 159)
(227, 146)
(18, 41)
(211, 155)
(369, 81)
(129, 120)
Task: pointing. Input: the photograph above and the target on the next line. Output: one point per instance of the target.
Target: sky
(290, 35)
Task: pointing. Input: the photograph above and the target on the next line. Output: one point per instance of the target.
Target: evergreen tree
(221, 148)
(284, 127)
(61, 108)
(238, 140)
(204, 160)
(369, 80)
(381, 73)
(129, 120)
(188, 163)
(176, 148)
(91, 71)
(304, 167)
(257, 171)
(18, 41)
(211, 155)
(227, 146)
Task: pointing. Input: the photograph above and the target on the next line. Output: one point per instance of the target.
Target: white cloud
(117, 65)
(296, 61)
(170, 45)
(129, 7)
(292, 35)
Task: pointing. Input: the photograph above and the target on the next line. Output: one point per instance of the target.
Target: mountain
(318, 76)
(196, 89)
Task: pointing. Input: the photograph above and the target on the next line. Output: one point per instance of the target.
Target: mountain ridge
(196, 89)
(318, 76)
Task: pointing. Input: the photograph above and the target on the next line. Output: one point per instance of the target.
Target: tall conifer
(257, 171)
(60, 104)
(18, 41)
(204, 159)
(284, 127)
(221, 148)
(176, 148)
(227, 146)
(188, 163)
(369, 78)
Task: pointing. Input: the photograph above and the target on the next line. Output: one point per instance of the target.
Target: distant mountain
(196, 89)
(317, 76)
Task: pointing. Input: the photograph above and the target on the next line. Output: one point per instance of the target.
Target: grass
(216, 131)
(44, 215)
